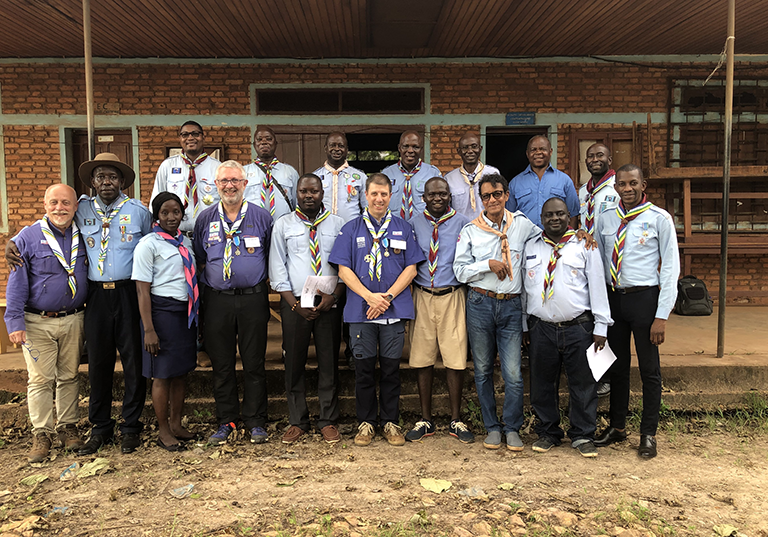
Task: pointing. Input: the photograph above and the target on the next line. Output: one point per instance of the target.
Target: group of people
(465, 262)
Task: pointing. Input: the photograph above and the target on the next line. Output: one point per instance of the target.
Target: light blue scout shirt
(607, 199)
(250, 267)
(159, 262)
(125, 231)
(284, 174)
(172, 177)
(476, 247)
(350, 250)
(528, 194)
(448, 235)
(289, 259)
(350, 191)
(426, 173)
(651, 237)
(579, 284)
(460, 190)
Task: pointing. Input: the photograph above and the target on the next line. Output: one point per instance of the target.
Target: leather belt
(53, 314)
(629, 290)
(241, 291)
(438, 291)
(111, 285)
(491, 294)
(585, 317)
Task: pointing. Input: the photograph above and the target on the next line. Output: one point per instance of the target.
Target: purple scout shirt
(250, 267)
(350, 249)
(41, 282)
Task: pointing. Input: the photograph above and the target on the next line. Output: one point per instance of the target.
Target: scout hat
(106, 159)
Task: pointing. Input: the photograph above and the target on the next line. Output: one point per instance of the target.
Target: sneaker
(420, 430)
(393, 434)
(365, 434)
(69, 438)
(41, 448)
(220, 437)
(330, 434)
(514, 443)
(459, 430)
(293, 433)
(493, 440)
(543, 444)
(259, 435)
(587, 449)
(603, 389)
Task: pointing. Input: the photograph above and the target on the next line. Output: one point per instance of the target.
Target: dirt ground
(704, 482)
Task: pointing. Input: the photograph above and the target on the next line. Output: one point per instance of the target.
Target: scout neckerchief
(314, 246)
(471, 182)
(190, 190)
(592, 190)
(232, 235)
(502, 235)
(434, 242)
(267, 187)
(69, 266)
(105, 221)
(406, 205)
(193, 294)
(335, 185)
(621, 236)
(374, 264)
(549, 276)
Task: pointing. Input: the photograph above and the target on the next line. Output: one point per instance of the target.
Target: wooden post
(726, 177)
(89, 77)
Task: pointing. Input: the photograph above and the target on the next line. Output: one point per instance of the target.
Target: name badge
(361, 242)
(530, 256)
(397, 233)
(252, 242)
(175, 170)
(398, 244)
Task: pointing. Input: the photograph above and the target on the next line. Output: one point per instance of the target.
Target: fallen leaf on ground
(290, 482)
(725, 530)
(99, 465)
(435, 485)
(506, 486)
(32, 480)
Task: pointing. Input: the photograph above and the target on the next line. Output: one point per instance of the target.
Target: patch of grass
(474, 415)
(515, 506)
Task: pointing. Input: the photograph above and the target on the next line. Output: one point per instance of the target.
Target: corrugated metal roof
(378, 28)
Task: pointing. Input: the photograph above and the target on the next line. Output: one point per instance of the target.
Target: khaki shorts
(440, 327)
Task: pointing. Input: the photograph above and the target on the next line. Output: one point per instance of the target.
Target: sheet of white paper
(313, 284)
(600, 361)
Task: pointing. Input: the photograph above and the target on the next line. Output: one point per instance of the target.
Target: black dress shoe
(647, 449)
(94, 443)
(130, 442)
(610, 436)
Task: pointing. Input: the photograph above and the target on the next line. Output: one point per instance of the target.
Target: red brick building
(648, 104)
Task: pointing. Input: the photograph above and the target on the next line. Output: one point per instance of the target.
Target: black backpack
(692, 297)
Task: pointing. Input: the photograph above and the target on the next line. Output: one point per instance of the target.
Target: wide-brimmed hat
(106, 159)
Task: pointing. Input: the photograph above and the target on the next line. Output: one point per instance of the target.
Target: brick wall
(134, 90)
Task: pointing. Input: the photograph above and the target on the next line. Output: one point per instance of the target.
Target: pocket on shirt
(647, 238)
(573, 266)
(46, 263)
(132, 236)
(534, 269)
(557, 192)
(522, 194)
(297, 241)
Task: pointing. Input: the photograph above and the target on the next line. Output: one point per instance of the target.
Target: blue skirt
(178, 344)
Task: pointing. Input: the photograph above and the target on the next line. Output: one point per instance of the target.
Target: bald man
(408, 176)
(45, 304)
(464, 181)
(271, 183)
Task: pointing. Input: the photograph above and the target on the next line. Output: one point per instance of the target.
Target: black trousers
(633, 314)
(296, 335)
(112, 322)
(370, 340)
(232, 322)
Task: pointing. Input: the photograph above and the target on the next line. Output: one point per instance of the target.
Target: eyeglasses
(233, 182)
(33, 352)
(497, 194)
(473, 147)
(193, 134)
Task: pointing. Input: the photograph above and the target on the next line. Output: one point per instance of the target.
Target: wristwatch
(390, 297)
(335, 298)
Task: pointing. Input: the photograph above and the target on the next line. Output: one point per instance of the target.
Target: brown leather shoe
(330, 434)
(293, 433)
(365, 434)
(41, 448)
(393, 434)
(69, 438)
(203, 360)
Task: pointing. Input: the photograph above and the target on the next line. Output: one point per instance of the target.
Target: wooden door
(117, 141)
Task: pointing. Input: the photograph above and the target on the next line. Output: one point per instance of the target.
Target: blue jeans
(497, 326)
(562, 347)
